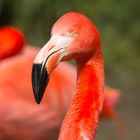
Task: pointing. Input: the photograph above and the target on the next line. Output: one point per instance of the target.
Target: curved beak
(46, 60)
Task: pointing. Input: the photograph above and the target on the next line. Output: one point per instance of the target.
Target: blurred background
(119, 25)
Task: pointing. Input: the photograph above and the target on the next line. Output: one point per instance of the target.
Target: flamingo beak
(46, 60)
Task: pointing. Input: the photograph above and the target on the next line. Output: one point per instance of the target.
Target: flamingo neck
(82, 119)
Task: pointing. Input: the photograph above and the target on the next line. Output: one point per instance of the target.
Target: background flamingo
(20, 117)
(18, 110)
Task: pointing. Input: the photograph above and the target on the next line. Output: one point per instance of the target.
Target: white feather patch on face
(60, 40)
(55, 43)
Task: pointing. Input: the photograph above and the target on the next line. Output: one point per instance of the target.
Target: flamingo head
(73, 36)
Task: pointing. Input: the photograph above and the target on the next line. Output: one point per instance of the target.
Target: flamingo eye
(73, 34)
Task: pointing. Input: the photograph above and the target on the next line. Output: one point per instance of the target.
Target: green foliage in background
(117, 20)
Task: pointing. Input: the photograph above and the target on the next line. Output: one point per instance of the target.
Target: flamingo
(18, 111)
(74, 36)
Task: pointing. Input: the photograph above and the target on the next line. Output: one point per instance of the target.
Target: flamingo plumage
(20, 117)
(11, 41)
(17, 105)
(74, 36)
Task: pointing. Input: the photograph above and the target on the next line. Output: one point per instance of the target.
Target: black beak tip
(37, 100)
(39, 81)
(37, 96)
